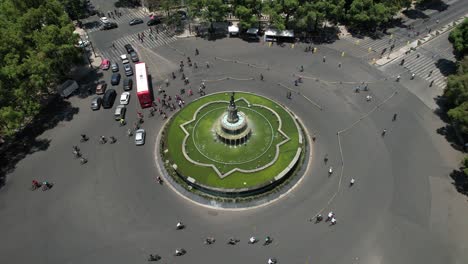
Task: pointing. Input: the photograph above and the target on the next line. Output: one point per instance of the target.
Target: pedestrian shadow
(26, 141)
(446, 67)
(460, 181)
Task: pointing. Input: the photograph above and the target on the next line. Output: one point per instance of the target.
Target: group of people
(45, 184)
(77, 153)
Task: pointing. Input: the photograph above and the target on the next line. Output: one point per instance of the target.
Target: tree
(75, 8)
(459, 38)
(459, 115)
(211, 10)
(465, 165)
(37, 47)
(370, 15)
(456, 91)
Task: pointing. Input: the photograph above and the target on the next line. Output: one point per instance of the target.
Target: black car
(127, 84)
(110, 25)
(135, 21)
(134, 56)
(129, 48)
(109, 98)
(115, 79)
(154, 21)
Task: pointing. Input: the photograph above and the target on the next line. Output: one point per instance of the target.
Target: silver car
(140, 137)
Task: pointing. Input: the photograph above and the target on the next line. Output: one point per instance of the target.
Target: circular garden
(197, 159)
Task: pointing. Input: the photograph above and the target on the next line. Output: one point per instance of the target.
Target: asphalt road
(402, 209)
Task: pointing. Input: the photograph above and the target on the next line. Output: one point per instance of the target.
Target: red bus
(142, 87)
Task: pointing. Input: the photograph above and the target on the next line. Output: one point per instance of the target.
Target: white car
(140, 137)
(124, 98)
(124, 58)
(104, 20)
(83, 43)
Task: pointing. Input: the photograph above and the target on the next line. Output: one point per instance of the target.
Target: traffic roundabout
(237, 149)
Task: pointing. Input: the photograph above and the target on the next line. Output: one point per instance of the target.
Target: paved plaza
(402, 208)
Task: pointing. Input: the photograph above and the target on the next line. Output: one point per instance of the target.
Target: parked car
(115, 67)
(128, 70)
(124, 98)
(105, 64)
(134, 56)
(124, 58)
(127, 84)
(82, 43)
(109, 98)
(140, 137)
(129, 48)
(104, 20)
(109, 25)
(120, 112)
(101, 88)
(135, 21)
(115, 79)
(154, 21)
(96, 103)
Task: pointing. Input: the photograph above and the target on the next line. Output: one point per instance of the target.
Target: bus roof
(141, 77)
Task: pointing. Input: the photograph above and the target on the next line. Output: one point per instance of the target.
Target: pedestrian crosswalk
(430, 67)
(127, 14)
(152, 38)
(375, 47)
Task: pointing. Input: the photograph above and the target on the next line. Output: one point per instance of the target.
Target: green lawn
(263, 141)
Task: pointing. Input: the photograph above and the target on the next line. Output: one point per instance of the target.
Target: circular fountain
(232, 127)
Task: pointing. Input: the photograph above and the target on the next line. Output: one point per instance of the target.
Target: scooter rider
(272, 261)
(252, 240)
(318, 218)
(330, 216)
(179, 225)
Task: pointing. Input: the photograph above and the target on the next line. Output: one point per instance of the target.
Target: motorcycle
(180, 252)
(268, 241)
(160, 180)
(233, 241)
(154, 257)
(209, 240)
(84, 138)
(252, 240)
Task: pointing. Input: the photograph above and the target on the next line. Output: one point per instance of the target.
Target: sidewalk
(415, 44)
(89, 55)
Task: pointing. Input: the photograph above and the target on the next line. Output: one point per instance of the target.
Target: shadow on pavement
(446, 67)
(26, 141)
(127, 3)
(438, 5)
(460, 181)
(415, 14)
(91, 25)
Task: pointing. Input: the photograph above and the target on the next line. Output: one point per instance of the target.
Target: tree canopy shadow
(91, 25)
(446, 67)
(415, 14)
(25, 142)
(460, 181)
(127, 3)
(438, 5)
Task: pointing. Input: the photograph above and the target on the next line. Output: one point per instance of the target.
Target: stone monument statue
(233, 117)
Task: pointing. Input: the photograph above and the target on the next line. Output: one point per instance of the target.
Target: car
(115, 79)
(128, 70)
(135, 21)
(96, 103)
(109, 98)
(119, 113)
(129, 48)
(127, 84)
(140, 137)
(115, 67)
(104, 20)
(101, 88)
(105, 64)
(124, 58)
(154, 21)
(82, 43)
(134, 56)
(109, 25)
(124, 98)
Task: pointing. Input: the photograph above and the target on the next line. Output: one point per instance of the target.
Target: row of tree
(456, 92)
(304, 15)
(37, 51)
